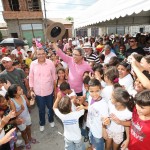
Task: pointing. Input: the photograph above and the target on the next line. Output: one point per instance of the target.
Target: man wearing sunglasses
(134, 47)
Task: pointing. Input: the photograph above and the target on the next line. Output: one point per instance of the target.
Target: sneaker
(41, 128)
(52, 124)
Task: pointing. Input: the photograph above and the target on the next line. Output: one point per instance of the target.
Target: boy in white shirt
(70, 120)
(97, 112)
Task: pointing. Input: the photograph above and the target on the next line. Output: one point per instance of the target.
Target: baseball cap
(70, 39)
(6, 59)
(29, 50)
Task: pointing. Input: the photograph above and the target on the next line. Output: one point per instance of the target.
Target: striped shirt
(93, 57)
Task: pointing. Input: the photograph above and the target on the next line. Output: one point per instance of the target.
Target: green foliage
(69, 18)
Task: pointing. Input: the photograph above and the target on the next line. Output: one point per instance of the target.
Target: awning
(105, 10)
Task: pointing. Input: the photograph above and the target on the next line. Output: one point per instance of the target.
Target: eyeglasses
(75, 55)
(41, 54)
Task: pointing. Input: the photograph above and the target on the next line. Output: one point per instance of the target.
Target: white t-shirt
(70, 121)
(65, 65)
(2, 133)
(24, 54)
(32, 49)
(127, 81)
(107, 57)
(73, 93)
(122, 115)
(103, 84)
(3, 91)
(96, 111)
(106, 92)
(73, 107)
(132, 91)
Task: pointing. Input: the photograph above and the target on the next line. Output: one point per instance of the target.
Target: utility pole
(45, 21)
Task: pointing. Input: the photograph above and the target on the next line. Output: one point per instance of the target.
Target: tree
(70, 19)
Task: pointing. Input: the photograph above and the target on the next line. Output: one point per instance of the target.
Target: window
(14, 5)
(14, 35)
(31, 27)
(34, 5)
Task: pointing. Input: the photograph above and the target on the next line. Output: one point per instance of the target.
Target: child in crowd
(5, 124)
(86, 87)
(60, 79)
(125, 78)
(69, 52)
(66, 90)
(19, 103)
(99, 75)
(101, 58)
(111, 78)
(140, 124)
(85, 98)
(138, 86)
(120, 108)
(26, 71)
(105, 67)
(85, 74)
(97, 111)
(54, 59)
(70, 120)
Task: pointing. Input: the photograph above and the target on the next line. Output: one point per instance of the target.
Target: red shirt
(139, 133)
(4, 50)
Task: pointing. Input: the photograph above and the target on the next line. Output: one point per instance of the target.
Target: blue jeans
(42, 102)
(96, 142)
(74, 145)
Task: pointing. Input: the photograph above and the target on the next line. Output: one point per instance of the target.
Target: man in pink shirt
(77, 67)
(41, 81)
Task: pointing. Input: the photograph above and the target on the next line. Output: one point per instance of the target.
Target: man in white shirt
(108, 54)
(19, 52)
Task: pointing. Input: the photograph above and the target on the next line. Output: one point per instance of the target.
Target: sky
(61, 9)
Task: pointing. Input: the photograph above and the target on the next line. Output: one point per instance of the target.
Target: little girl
(120, 108)
(110, 77)
(60, 79)
(98, 73)
(19, 103)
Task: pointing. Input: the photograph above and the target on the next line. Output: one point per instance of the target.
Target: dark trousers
(42, 102)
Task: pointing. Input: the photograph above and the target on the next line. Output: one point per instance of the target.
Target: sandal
(33, 141)
(28, 146)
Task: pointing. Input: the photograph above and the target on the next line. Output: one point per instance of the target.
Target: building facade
(24, 18)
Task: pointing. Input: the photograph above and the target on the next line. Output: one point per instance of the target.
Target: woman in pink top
(77, 66)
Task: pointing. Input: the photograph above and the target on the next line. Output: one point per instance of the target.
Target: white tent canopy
(104, 10)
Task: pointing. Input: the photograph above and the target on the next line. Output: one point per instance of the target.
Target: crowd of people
(98, 87)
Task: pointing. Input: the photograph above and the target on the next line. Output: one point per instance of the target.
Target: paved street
(49, 139)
